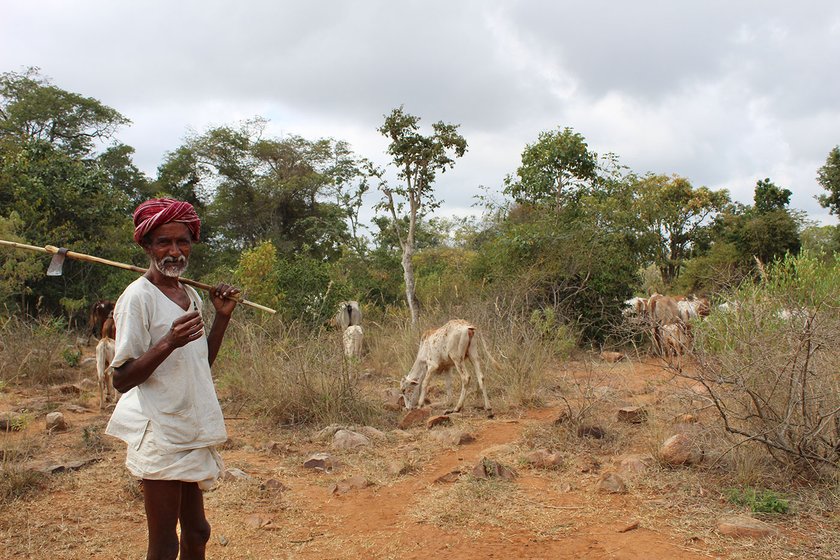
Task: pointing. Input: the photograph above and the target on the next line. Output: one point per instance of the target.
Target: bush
(34, 352)
(771, 367)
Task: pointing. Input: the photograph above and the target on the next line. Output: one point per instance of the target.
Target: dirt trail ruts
(376, 522)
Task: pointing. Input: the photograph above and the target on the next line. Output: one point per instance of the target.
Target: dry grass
(34, 353)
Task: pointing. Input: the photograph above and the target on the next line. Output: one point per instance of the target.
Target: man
(169, 415)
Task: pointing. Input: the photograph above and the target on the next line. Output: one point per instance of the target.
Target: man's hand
(185, 329)
(221, 296)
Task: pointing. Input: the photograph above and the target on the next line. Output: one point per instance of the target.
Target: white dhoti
(203, 465)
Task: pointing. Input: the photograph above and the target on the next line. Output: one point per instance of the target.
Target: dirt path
(97, 512)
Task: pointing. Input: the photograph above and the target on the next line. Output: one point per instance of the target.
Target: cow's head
(410, 384)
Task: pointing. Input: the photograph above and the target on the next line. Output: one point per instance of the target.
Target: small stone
(542, 459)
(442, 420)
(415, 417)
(69, 389)
(452, 436)
(611, 357)
(680, 449)
(223, 540)
(631, 526)
(611, 483)
(56, 422)
(372, 432)
(352, 483)
(235, 474)
(329, 432)
(487, 468)
(634, 464)
(345, 439)
(743, 526)
(321, 462)
(632, 414)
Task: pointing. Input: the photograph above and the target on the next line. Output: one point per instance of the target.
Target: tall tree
(418, 160)
(828, 176)
(558, 165)
(676, 215)
(768, 197)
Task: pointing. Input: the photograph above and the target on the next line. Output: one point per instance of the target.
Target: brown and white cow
(451, 345)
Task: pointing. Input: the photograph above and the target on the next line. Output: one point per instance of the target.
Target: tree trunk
(408, 272)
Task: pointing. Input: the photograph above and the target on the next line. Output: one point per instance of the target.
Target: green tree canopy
(828, 176)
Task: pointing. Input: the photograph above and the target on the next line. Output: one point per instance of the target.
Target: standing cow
(451, 345)
(349, 314)
(99, 313)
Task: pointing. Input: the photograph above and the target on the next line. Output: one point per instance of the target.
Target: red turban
(159, 211)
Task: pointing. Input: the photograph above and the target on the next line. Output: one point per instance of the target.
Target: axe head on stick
(57, 262)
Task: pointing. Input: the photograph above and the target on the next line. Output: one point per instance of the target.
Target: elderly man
(169, 415)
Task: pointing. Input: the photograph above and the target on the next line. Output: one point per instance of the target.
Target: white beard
(170, 266)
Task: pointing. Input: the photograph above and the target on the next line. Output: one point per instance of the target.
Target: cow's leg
(101, 379)
(479, 377)
(424, 384)
(464, 374)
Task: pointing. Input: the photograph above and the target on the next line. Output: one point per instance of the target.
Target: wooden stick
(51, 250)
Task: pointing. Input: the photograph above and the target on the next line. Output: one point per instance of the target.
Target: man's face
(169, 248)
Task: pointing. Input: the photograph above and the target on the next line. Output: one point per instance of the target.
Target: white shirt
(179, 398)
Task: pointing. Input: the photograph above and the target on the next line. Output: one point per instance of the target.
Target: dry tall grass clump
(291, 376)
(35, 351)
(770, 368)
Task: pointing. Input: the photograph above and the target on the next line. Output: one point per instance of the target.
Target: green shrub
(759, 501)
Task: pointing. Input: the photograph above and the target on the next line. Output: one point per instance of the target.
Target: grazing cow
(349, 314)
(662, 310)
(635, 307)
(353, 338)
(99, 313)
(104, 371)
(696, 308)
(675, 339)
(449, 346)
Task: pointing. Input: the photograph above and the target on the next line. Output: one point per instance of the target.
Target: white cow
(353, 339)
(104, 371)
(449, 346)
(635, 307)
(349, 314)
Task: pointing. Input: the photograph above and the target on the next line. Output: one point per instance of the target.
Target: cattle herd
(667, 319)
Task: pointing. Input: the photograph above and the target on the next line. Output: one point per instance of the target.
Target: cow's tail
(487, 353)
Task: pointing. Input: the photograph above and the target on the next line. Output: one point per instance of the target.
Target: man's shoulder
(140, 288)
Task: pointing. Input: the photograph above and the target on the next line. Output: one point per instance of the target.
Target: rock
(273, 486)
(442, 420)
(352, 483)
(634, 464)
(611, 357)
(487, 468)
(594, 432)
(542, 459)
(743, 526)
(611, 483)
(392, 399)
(415, 417)
(680, 449)
(223, 540)
(56, 422)
(321, 462)
(631, 526)
(329, 432)
(235, 474)
(632, 414)
(372, 432)
(66, 467)
(452, 436)
(399, 468)
(345, 439)
(449, 477)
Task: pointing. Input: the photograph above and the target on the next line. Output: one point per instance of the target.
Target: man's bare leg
(162, 499)
(195, 530)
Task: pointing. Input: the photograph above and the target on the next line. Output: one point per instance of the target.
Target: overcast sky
(721, 92)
